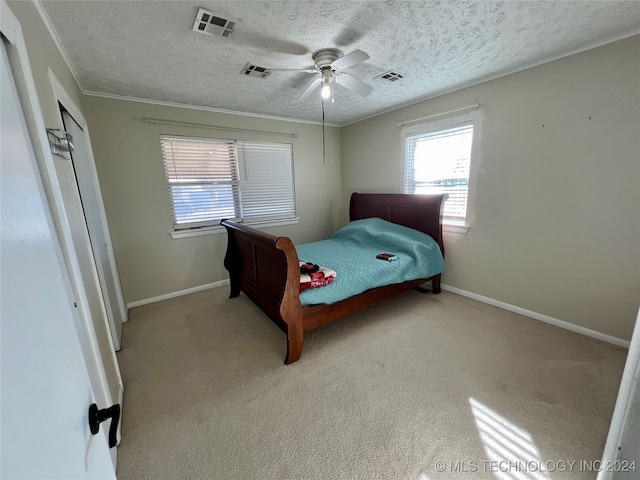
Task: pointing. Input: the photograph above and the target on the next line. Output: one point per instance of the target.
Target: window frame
(474, 118)
(237, 164)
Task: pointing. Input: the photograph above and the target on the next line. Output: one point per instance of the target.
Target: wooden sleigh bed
(266, 268)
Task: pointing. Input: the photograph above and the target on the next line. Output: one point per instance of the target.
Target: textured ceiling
(147, 49)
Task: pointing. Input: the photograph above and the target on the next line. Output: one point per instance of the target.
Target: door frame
(19, 59)
(63, 98)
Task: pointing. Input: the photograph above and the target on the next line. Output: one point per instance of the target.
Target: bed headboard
(420, 212)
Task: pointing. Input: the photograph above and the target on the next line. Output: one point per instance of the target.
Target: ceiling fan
(330, 63)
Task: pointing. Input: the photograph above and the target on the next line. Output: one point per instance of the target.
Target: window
(438, 160)
(213, 179)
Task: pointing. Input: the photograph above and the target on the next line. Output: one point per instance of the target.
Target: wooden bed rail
(266, 268)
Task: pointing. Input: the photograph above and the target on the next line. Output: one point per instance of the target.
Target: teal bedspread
(352, 251)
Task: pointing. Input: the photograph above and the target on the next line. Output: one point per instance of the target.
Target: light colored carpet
(384, 394)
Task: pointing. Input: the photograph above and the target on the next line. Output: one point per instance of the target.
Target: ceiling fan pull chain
(323, 143)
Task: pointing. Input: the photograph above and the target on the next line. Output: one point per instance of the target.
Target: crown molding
(202, 108)
(56, 40)
(438, 93)
(503, 73)
(58, 43)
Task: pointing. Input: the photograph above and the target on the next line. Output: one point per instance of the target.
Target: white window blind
(212, 179)
(266, 181)
(439, 162)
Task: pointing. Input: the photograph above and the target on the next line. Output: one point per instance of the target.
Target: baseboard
(480, 298)
(538, 316)
(179, 293)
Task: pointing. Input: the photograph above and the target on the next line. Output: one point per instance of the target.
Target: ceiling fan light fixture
(327, 87)
(329, 62)
(326, 91)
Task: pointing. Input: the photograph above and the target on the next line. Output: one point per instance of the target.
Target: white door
(621, 457)
(88, 189)
(98, 344)
(45, 387)
(70, 218)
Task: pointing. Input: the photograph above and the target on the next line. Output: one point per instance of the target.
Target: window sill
(452, 228)
(213, 230)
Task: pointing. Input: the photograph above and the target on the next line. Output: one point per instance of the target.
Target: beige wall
(134, 189)
(44, 55)
(557, 224)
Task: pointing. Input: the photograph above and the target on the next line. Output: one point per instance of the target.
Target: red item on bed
(323, 276)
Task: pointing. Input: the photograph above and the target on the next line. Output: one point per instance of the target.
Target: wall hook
(60, 142)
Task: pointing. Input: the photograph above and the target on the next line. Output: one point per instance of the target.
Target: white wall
(557, 224)
(134, 188)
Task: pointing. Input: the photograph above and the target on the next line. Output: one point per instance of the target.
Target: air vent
(207, 22)
(251, 70)
(390, 77)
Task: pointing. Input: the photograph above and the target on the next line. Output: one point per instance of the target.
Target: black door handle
(96, 417)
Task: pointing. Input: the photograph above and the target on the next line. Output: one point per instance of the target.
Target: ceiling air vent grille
(207, 22)
(251, 70)
(390, 77)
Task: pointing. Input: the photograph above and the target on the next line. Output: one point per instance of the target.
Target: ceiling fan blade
(350, 59)
(257, 40)
(299, 70)
(347, 36)
(315, 84)
(353, 84)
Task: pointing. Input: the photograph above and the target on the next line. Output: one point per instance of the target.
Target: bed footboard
(266, 269)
